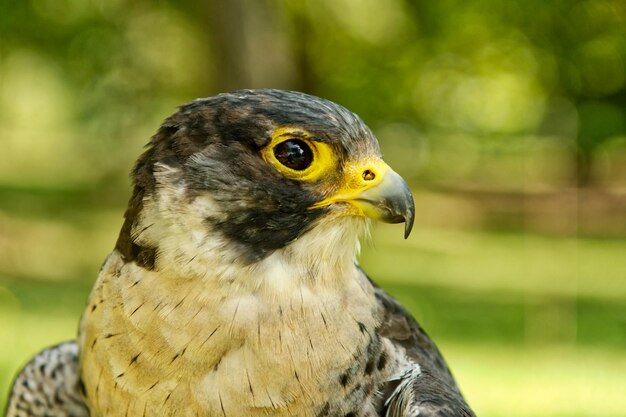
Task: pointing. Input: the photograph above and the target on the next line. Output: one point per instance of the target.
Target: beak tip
(408, 225)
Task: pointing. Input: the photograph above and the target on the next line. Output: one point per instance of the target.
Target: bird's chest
(207, 351)
(297, 364)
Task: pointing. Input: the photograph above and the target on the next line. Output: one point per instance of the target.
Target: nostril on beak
(369, 175)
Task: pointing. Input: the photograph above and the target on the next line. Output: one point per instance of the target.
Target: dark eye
(294, 153)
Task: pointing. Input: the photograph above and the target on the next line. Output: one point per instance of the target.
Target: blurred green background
(508, 118)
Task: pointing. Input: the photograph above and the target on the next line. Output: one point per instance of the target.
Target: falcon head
(234, 179)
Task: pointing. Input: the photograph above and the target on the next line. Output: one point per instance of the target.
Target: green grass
(543, 381)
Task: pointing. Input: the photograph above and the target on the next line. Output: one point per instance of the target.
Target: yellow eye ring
(296, 155)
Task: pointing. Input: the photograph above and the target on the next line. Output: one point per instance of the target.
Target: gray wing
(426, 389)
(48, 385)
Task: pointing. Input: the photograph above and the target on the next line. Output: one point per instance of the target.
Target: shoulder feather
(427, 387)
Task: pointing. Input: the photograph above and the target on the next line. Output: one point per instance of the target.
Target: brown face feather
(216, 142)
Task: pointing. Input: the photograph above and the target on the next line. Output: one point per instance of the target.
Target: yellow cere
(357, 177)
(362, 175)
(324, 159)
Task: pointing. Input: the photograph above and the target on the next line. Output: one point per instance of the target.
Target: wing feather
(48, 385)
(427, 387)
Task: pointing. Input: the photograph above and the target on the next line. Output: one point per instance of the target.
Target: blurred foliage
(507, 117)
(465, 83)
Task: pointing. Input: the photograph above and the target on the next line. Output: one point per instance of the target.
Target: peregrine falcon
(233, 289)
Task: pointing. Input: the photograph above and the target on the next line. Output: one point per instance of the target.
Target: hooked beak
(374, 190)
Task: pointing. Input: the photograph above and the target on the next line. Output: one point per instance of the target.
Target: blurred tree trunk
(307, 80)
(583, 168)
(253, 46)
